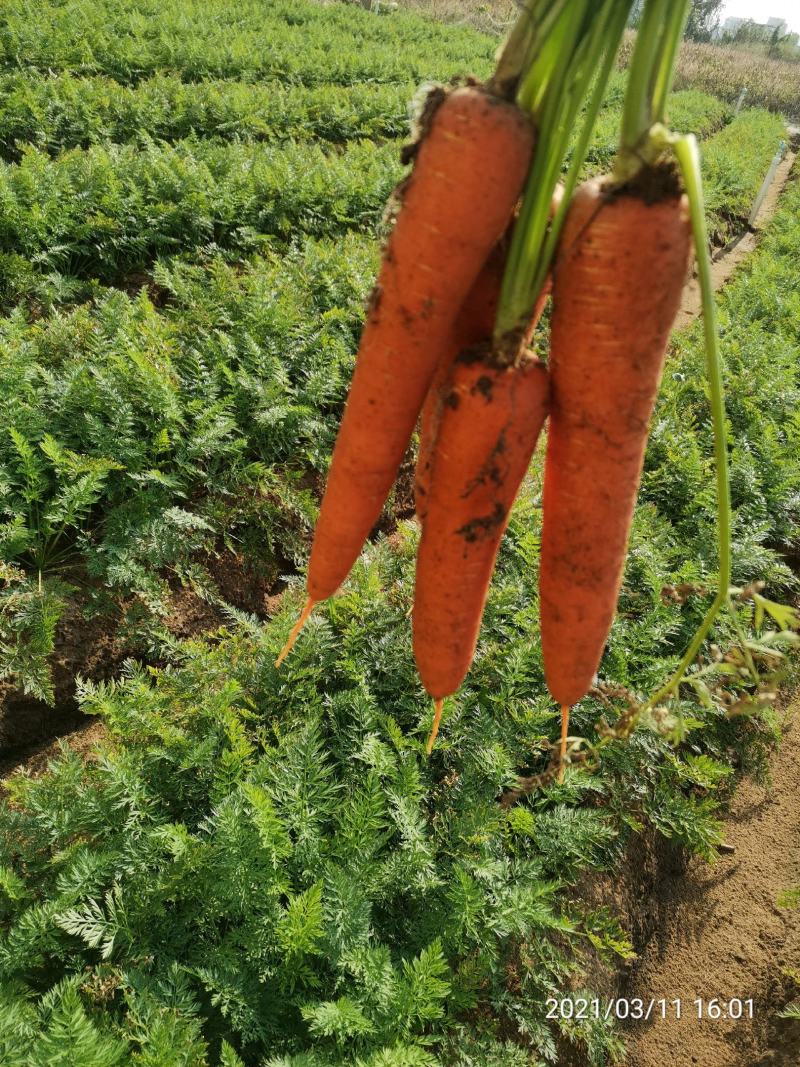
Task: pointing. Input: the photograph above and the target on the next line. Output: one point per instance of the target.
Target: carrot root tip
(294, 633)
(562, 750)
(437, 718)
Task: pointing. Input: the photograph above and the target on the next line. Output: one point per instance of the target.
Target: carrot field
(230, 865)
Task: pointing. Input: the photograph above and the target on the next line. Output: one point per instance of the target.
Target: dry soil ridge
(724, 935)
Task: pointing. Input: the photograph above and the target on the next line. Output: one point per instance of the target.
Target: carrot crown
(649, 83)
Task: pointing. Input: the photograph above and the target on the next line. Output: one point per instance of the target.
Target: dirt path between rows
(722, 935)
(729, 259)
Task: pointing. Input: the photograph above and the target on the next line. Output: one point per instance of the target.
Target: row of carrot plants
(309, 44)
(57, 111)
(264, 867)
(102, 212)
(64, 110)
(734, 166)
(254, 41)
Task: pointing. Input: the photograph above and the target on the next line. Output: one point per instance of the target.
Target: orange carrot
(472, 328)
(617, 287)
(490, 420)
(473, 325)
(456, 204)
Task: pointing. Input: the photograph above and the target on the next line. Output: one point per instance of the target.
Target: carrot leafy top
(559, 53)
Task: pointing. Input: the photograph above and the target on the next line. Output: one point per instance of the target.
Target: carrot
(456, 204)
(473, 325)
(472, 328)
(490, 421)
(617, 286)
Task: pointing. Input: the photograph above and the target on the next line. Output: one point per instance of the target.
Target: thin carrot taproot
(490, 421)
(617, 286)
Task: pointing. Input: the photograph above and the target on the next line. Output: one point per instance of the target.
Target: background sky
(761, 10)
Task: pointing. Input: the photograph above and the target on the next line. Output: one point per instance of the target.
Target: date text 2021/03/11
(713, 1008)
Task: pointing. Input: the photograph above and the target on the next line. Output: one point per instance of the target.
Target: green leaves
(54, 499)
(300, 923)
(271, 831)
(339, 1019)
(47, 493)
(50, 1034)
(785, 615)
(424, 988)
(99, 925)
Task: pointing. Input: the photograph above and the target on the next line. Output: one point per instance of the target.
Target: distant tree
(703, 19)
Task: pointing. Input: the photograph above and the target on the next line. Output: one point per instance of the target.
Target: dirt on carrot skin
(654, 184)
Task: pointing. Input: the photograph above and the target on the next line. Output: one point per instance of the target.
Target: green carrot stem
(584, 37)
(665, 73)
(650, 80)
(529, 34)
(688, 157)
(637, 108)
(581, 149)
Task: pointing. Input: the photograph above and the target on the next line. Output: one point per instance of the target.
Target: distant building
(731, 26)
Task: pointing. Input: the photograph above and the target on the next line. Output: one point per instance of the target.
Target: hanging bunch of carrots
(483, 235)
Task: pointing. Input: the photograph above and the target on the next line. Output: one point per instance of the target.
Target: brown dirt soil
(81, 740)
(717, 932)
(95, 648)
(89, 647)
